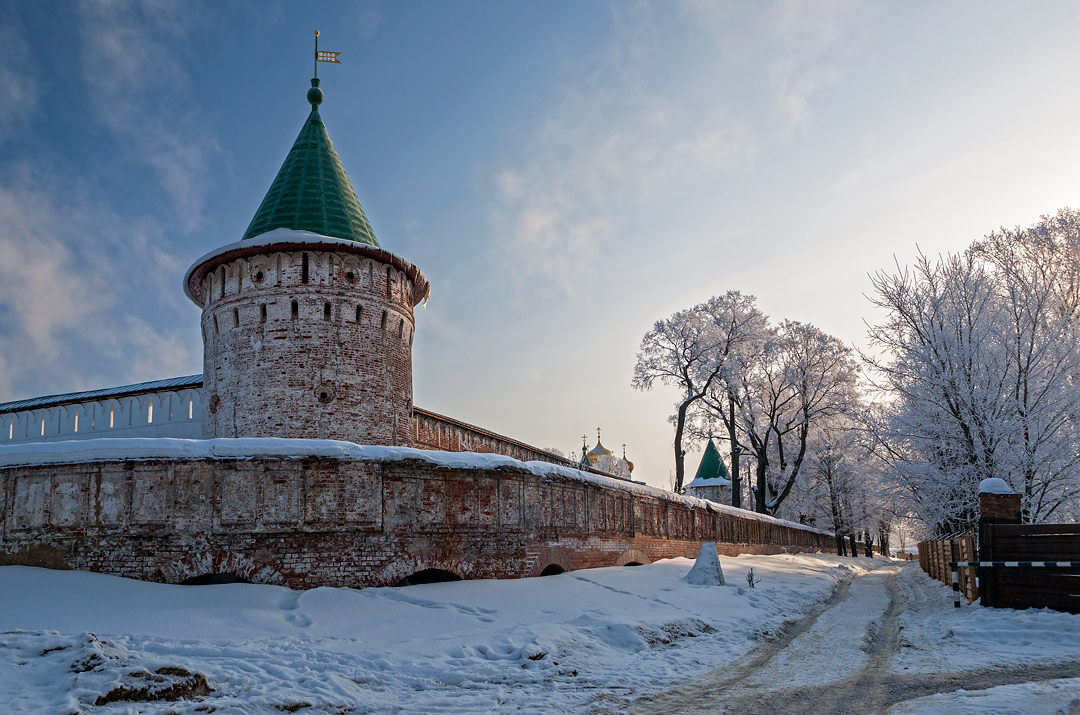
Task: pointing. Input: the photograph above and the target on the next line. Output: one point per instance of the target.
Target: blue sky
(565, 173)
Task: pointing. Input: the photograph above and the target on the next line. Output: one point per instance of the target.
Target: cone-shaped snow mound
(706, 570)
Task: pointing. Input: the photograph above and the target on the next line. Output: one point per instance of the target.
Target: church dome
(599, 451)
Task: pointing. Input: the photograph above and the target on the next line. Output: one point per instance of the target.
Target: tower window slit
(150, 411)
(304, 269)
(358, 311)
(76, 419)
(42, 426)
(383, 325)
(295, 310)
(388, 269)
(190, 408)
(236, 317)
(401, 328)
(216, 328)
(326, 311)
(262, 313)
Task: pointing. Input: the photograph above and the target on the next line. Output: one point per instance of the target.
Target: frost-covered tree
(691, 351)
(801, 380)
(977, 369)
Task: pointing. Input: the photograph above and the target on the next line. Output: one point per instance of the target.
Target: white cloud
(635, 129)
(141, 93)
(18, 88)
(75, 278)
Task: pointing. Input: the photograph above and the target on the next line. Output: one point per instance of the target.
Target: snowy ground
(588, 641)
(558, 643)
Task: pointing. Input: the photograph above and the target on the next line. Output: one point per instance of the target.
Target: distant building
(712, 480)
(603, 459)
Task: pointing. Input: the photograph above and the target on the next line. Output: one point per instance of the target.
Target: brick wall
(308, 344)
(328, 522)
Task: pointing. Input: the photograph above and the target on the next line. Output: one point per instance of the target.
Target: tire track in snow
(755, 684)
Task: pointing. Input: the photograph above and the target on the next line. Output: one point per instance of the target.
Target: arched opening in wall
(213, 579)
(552, 570)
(304, 269)
(631, 563)
(428, 576)
(326, 311)
(295, 310)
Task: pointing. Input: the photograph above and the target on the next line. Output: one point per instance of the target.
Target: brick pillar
(999, 508)
(993, 509)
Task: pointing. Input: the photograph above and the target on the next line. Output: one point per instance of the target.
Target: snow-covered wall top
(166, 449)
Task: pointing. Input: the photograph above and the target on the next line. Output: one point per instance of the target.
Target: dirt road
(836, 659)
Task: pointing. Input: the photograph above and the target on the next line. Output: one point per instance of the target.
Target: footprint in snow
(298, 619)
(484, 615)
(290, 602)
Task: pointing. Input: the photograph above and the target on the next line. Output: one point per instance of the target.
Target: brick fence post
(997, 505)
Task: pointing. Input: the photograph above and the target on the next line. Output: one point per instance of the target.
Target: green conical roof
(711, 467)
(311, 191)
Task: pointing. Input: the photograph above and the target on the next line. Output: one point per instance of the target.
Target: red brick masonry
(999, 507)
(318, 521)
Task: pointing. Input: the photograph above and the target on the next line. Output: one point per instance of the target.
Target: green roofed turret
(712, 466)
(312, 191)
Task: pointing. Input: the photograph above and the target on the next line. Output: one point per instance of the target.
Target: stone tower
(307, 323)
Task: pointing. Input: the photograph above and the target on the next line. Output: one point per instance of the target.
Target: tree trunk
(762, 486)
(680, 423)
(736, 480)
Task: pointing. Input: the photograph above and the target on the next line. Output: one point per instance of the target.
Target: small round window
(324, 393)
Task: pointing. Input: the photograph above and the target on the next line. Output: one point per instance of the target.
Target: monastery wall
(321, 521)
(162, 413)
(177, 412)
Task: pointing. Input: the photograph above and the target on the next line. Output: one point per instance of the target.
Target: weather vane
(323, 56)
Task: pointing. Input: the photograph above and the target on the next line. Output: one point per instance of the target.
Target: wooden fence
(936, 555)
(1027, 586)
